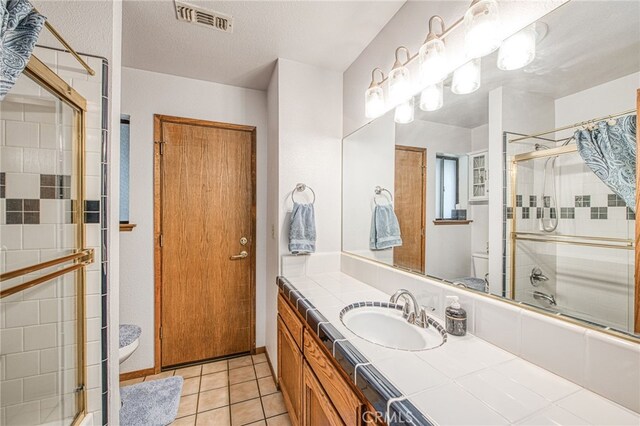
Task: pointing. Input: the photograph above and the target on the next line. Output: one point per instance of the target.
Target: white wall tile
(23, 185)
(20, 259)
(39, 236)
(613, 369)
(510, 399)
(597, 410)
(11, 159)
(40, 113)
(20, 314)
(11, 340)
(11, 110)
(553, 415)
(539, 380)
(49, 136)
(19, 133)
(11, 237)
(557, 346)
(40, 337)
(498, 322)
(11, 391)
(23, 364)
(49, 360)
(451, 404)
(40, 161)
(23, 414)
(39, 387)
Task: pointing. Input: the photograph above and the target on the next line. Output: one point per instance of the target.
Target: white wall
(408, 28)
(308, 128)
(368, 161)
(147, 93)
(273, 210)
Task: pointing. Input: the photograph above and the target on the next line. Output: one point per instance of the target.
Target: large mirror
(524, 188)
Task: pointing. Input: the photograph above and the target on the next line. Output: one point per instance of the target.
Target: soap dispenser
(455, 318)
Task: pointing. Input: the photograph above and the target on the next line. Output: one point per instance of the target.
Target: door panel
(410, 207)
(289, 372)
(207, 188)
(318, 409)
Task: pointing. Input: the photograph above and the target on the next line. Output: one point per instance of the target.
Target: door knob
(242, 255)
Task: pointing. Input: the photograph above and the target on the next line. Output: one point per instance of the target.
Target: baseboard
(260, 350)
(275, 378)
(135, 374)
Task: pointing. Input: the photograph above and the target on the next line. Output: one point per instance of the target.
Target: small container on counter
(455, 318)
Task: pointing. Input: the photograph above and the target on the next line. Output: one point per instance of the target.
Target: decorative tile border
(377, 389)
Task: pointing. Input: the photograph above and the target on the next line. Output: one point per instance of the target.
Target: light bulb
(374, 102)
(466, 79)
(482, 29)
(404, 112)
(433, 66)
(374, 96)
(518, 50)
(431, 98)
(399, 85)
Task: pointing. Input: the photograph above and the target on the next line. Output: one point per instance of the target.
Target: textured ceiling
(327, 34)
(572, 57)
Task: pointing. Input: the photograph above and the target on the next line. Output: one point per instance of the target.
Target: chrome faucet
(417, 315)
(537, 277)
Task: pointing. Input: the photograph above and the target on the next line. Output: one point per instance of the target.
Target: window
(124, 169)
(447, 186)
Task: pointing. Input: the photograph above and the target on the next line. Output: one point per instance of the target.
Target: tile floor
(234, 392)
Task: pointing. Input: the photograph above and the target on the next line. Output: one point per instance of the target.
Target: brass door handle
(242, 255)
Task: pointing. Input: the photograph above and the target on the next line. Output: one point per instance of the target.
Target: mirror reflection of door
(410, 206)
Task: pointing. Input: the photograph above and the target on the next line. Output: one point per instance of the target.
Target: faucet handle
(422, 319)
(411, 318)
(405, 310)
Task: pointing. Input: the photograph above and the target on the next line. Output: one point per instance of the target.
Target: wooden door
(290, 362)
(205, 215)
(318, 409)
(410, 202)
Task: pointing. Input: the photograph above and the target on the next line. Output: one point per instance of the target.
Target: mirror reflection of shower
(549, 174)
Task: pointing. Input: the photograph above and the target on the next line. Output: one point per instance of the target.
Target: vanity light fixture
(520, 49)
(482, 34)
(432, 97)
(433, 65)
(466, 79)
(400, 79)
(404, 112)
(374, 96)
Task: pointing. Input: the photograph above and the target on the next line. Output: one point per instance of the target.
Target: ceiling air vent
(209, 18)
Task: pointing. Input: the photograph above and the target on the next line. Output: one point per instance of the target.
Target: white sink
(385, 326)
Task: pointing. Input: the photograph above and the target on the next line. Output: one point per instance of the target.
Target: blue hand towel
(302, 229)
(385, 229)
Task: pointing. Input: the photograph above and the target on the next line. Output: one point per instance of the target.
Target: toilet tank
(480, 264)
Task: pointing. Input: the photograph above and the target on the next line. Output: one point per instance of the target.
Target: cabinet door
(478, 175)
(290, 372)
(317, 408)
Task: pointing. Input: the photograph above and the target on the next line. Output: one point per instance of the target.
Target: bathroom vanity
(330, 375)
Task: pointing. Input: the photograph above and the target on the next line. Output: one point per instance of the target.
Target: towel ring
(379, 190)
(301, 187)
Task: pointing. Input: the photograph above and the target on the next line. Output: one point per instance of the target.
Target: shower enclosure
(569, 239)
(42, 251)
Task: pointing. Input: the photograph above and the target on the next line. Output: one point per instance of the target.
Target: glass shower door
(42, 257)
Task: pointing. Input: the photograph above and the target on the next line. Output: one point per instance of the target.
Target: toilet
(478, 281)
(129, 340)
(480, 264)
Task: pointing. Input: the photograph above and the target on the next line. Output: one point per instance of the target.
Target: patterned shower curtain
(610, 152)
(20, 27)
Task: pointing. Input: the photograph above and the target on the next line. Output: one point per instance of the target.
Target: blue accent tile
(376, 388)
(348, 357)
(405, 413)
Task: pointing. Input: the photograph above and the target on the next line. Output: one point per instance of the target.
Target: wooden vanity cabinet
(314, 389)
(317, 407)
(290, 364)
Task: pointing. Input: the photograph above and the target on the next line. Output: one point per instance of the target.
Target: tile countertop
(467, 381)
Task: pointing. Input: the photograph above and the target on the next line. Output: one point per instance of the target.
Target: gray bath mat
(153, 403)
